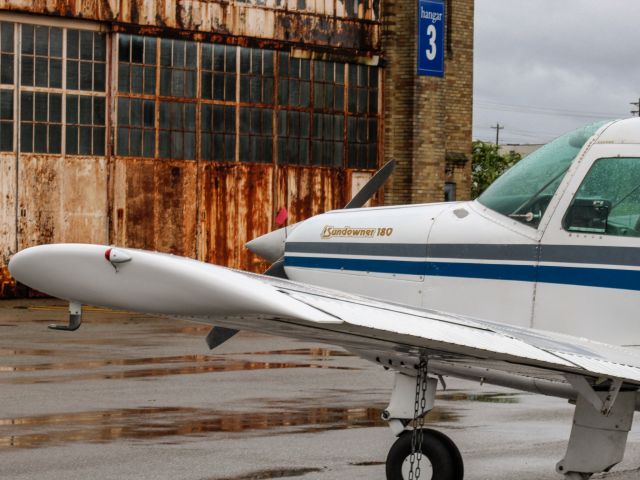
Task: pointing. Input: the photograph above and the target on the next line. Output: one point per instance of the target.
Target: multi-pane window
(328, 140)
(229, 103)
(362, 123)
(85, 119)
(218, 127)
(294, 81)
(6, 53)
(177, 130)
(136, 127)
(362, 137)
(6, 120)
(219, 72)
(256, 75)
(7, 79)
(86, 60)
(137, 64)
(294, 129)
(40, 122)
(256, 135)
(178, 63)
(328, 86)
(41, 56)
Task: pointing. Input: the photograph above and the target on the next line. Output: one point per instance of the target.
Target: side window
(608, 201)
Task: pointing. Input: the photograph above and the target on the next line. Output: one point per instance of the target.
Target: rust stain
(241, 23)
(8, 286)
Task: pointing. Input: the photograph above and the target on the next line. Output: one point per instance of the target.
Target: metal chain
(419, 406)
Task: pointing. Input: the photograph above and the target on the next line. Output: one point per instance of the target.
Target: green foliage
(488, 164)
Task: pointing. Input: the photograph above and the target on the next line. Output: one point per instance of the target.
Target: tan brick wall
(427, 120)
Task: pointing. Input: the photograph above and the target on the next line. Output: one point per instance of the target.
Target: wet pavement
(131, 396)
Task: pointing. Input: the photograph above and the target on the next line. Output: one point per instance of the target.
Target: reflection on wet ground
(484, 397)
(155, 422)
(215, 365)
(277, 473)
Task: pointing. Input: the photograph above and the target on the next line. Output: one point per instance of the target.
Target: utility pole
(636, 112)
(497, 128)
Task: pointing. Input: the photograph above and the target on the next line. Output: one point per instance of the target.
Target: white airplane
(534, 286)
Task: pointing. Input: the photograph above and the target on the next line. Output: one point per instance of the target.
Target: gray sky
(543, 67)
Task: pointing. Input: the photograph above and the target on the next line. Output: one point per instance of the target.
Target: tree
(488, 164)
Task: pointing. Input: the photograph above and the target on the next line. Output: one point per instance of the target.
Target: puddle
(276, 473)
(214, 366)
(108, 363)
(157, 422)
(486, 397)
(312, 352)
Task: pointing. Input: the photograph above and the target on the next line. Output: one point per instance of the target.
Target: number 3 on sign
(432, 50)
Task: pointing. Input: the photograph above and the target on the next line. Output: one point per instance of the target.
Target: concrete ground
(129, 396)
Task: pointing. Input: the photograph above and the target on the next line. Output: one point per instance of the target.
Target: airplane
(535, 285)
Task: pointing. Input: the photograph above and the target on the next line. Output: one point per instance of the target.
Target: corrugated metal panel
(316, 23)
(235, 206)
(307, 191)
(155, 205)
(62, 200)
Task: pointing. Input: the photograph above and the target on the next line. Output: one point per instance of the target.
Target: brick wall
(427, 120)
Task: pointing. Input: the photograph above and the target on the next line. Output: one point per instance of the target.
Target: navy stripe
(358, 265)
(588, 277)
(629, 256)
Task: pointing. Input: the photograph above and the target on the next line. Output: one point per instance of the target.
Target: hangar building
(184, 126)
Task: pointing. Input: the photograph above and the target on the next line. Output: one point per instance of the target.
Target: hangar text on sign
(431, 37)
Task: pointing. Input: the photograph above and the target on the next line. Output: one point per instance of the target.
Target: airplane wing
(394, 335)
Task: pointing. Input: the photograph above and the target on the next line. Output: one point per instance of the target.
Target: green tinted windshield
(524, 191)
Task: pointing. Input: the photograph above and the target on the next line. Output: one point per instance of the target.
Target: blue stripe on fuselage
(588, 277)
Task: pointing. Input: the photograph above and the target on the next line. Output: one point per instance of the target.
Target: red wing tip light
(115, 256)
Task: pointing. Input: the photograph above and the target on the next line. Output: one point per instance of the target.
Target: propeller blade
(372, 186)
(277, 269)
(218, 335)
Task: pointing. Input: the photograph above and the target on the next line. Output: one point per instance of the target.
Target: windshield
(524, 191)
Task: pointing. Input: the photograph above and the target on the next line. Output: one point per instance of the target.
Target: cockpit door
(589, 268)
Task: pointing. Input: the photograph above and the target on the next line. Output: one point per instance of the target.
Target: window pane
(98, 141)
(99, 77)
(72, 109)
(99, 47)
(86, 45)
(42, 72)
(42, 40)
(56, 42)
(55, 138)
(55, 107)
(6, 70)
(71, 140)
(124, 46)
(55, 73)
(6, 136)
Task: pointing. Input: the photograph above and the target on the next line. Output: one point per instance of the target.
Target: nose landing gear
(418, 452)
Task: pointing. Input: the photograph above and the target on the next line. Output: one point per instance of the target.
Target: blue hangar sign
(431, 37)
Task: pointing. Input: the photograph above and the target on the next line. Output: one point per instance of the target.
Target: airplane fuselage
(555, 265)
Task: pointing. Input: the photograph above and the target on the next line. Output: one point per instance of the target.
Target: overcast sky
(543, 67)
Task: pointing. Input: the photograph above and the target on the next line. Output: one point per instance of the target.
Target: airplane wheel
(441, 459)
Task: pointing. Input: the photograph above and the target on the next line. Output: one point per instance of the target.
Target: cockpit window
(608, 201)
(525, 190)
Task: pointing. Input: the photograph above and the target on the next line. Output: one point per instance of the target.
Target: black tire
(445, 458)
